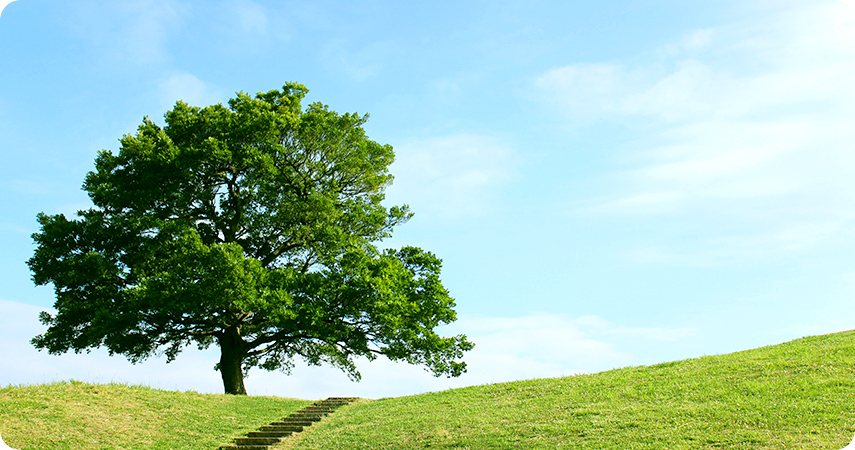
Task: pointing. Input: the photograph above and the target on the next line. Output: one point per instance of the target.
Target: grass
(84, 416)
(798, 395)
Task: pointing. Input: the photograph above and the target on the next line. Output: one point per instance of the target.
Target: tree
(253, 227)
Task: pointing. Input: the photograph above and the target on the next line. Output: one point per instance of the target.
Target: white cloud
(636, 203)
(747, 123)
(697, 40)
(587, 92)
(251, 16)
(134, 33)
(454, 176)
(187, 87)
(193, 370)
(359, 63)
(537, 345)
(143, 38)
(247, 27)
(3, 5)
(743, 248)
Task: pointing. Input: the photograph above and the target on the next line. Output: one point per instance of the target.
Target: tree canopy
(253, 226)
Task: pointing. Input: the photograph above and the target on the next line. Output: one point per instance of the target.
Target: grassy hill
(119, 417)
(790, 396)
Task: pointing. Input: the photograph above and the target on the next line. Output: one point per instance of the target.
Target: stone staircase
(276, 432)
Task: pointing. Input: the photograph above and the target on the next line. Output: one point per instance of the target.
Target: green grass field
(798, 395)
(119, 417)
(791, 396)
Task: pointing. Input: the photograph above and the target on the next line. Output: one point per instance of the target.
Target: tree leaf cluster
(253, 225)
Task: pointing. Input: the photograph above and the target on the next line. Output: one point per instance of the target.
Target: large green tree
(252, 226)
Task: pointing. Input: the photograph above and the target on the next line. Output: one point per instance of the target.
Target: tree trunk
(232, 353)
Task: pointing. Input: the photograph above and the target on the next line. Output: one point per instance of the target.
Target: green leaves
(254, 222)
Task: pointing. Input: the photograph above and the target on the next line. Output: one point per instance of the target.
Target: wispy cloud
(453, 176)
(135, 33)
(19, 323)
(744, 123)
(247, 27)
(251, 16)
(188, 88)
(536, 345)
(357, 64)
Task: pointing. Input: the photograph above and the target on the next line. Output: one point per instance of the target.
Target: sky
(608, 184)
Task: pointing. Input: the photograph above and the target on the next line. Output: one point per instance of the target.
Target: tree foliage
(252, 226)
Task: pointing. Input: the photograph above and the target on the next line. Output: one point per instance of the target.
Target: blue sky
(608, 184)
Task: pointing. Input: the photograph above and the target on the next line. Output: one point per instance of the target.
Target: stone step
(328, 405)
(281, 426)
(245, 447)
(320, 412)
(299, 419)
(303, 421)
(307, 416)
(333, 403)
(293, 422)
(272, 433)
(276, 432)
(242, 441)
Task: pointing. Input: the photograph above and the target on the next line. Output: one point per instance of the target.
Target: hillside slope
(795, 395)
(84, 416)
